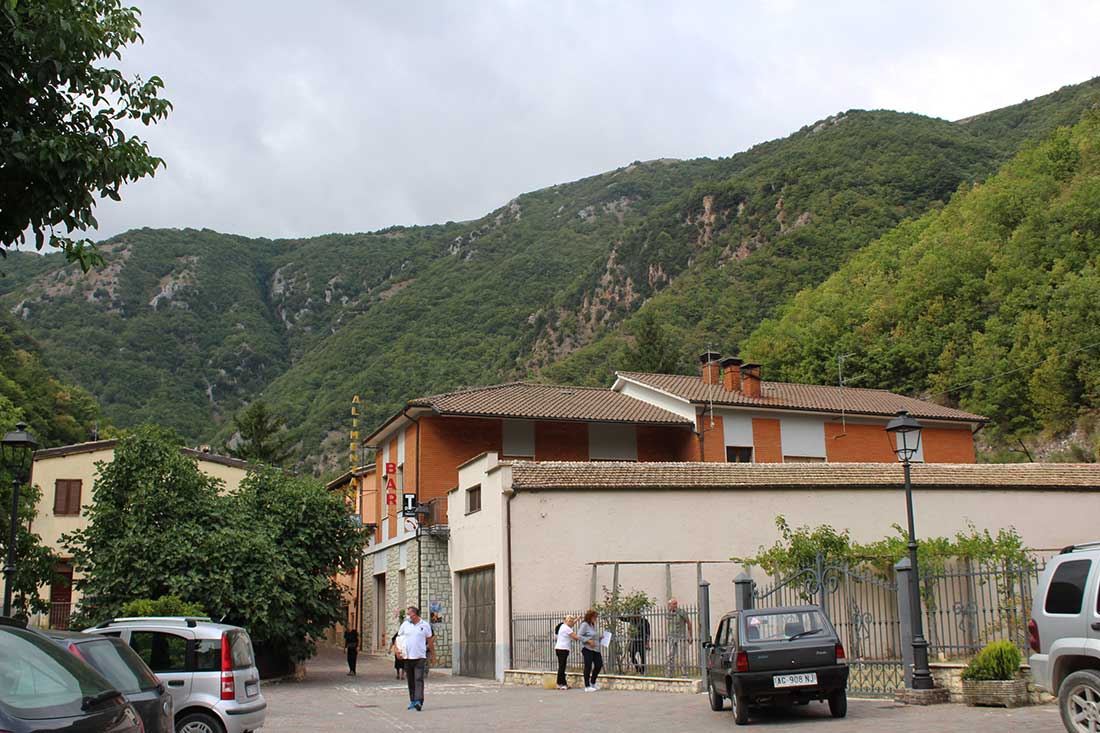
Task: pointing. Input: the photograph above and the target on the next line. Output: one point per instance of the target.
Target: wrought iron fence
(972, 603)
(654, 643)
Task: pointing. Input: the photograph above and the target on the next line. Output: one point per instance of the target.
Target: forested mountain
(182, 327)
(990, 303)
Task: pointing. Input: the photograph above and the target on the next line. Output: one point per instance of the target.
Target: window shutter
(74, 496)
(60, 498)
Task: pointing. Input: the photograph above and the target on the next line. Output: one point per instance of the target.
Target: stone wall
(398, 560)
(531, 678)
(949, 676)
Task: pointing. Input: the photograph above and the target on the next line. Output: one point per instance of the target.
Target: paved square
(328, 702)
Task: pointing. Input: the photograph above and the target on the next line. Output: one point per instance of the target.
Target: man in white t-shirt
(419, 647)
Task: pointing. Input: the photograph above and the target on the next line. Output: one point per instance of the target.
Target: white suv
(1064, 634)
(209, 668)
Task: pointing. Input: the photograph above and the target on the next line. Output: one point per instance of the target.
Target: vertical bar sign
(391, 484)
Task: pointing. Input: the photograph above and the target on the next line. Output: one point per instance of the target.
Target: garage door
(477, 651)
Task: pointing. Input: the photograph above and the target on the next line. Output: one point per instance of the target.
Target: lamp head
(906, 431)
(17, 447)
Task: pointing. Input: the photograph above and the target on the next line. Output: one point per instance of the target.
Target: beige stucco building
(66, 477)
(532, 544)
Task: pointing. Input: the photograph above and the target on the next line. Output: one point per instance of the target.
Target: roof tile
(549, 402)
(791, 396)
(633, 475)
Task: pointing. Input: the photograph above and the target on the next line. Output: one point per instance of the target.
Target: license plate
(794, 680)
(252, 689)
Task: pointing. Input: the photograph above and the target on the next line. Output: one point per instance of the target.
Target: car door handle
(175, 683)
(1096, 625)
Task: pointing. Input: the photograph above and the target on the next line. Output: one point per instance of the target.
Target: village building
(357, 485)
(550, 536)
(726, 413)
(66, 477)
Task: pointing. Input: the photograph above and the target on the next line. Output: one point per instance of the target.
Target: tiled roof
(98, 445)
(549, 402)
(786, 395)
(632, 475)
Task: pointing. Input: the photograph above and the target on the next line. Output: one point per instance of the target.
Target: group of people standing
(589, 639)
(583, 629)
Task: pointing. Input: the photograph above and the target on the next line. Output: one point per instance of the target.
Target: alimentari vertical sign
(353, 444)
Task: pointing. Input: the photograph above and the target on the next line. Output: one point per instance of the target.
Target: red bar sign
(391, 469)
(391, 499)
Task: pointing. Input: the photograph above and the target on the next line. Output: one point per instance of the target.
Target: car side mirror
(707, 644)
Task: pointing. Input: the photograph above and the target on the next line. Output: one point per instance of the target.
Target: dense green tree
(654, 349)
(62, 105)
(261, 436)
(989, 303)
(264, 558)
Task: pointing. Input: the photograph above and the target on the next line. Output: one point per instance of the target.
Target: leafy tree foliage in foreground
(60, 109)
(34, 562)
(263, 557)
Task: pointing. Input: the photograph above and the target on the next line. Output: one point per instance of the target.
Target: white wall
(479, 540)
(683, 408)
(667, 525)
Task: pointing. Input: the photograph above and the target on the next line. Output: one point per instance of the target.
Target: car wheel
(198, 723)
(740, 709)
(838, 703)
(1079, 701)
(717, 702)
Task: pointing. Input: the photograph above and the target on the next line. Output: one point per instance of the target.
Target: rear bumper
(1041, 673)
(753, 685)
(241, 718)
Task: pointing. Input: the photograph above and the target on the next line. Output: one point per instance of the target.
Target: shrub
(999, 660)
(164, 606)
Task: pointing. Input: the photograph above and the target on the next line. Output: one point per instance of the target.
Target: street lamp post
(16, 449)
(906, 431)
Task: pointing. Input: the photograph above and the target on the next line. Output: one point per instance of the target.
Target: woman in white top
(563, 635)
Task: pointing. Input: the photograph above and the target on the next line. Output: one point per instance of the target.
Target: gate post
(592, 593)
(905, 616)
(742, 592)
(703, 632)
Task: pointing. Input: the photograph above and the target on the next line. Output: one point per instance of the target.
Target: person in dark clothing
(351, 643)
(639, 642)
(398, 662)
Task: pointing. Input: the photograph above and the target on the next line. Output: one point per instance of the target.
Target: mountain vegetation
(989, 303)
(646, 264)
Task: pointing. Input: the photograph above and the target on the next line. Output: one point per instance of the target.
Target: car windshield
(39, 679)
(119, 664)
(783, 625)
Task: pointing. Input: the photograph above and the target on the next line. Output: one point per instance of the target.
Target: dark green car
(776, 656)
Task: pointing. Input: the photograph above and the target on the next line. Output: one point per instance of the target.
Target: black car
(776, 656)
(45, 688)
(124, 669)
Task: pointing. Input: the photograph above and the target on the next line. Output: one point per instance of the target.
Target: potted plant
(993, 677)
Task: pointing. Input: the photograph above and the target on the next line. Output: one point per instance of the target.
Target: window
(208, 655)
(738, 454)
(473, 499)
(162, 652)
(66, 497)
(1067, 587)
(803, 459)
(720, 635)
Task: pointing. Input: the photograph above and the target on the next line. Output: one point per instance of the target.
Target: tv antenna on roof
(840, 383)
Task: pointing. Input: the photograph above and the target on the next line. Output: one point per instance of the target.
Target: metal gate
(864, 610)
(477, 649)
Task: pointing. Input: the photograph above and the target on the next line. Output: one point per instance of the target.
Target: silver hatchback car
(209, 668)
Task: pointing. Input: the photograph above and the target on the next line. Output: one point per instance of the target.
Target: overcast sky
(297, 119)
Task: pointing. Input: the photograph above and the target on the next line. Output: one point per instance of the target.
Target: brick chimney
(709, 363)
(731, 374)
(750, 379)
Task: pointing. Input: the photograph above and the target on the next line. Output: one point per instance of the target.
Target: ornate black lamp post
(906, 431)
(16, 450)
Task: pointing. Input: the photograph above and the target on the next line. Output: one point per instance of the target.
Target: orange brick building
(727, 413)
